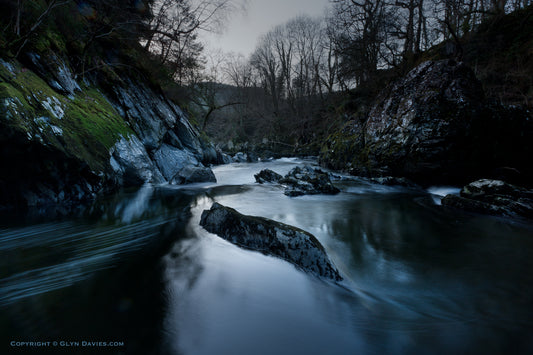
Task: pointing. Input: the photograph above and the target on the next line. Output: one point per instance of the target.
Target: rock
(170, 160)
(267, 175)
(394, 181)
(223, 158)
(240, 157)
(155, 120)
(131, 163)
(470, 205)
(508, 174)
(179, 166)
(210, 155)
(308, 181)
(270, 237)
(493, 197)
(55, 72)
(433, 126)
(193, 174)
(419, 128)
(252, 157)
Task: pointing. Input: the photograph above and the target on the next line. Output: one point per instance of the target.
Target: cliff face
(434, 126)
(65, 139)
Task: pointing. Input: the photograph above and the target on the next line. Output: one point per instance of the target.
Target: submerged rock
(267, 175)
(493, 197)
(270, 237)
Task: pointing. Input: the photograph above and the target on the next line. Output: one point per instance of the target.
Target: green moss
(14, 107)
(89, 125)
(33, 86)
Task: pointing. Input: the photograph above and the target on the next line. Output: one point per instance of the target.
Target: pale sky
(244, 29)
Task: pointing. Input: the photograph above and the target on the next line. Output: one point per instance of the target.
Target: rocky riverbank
(65, 139)
(493, 197)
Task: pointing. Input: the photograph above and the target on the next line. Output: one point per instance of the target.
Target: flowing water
(138, 270)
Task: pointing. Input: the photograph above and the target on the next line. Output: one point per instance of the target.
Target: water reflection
(137, 267)
(93, 277)
(420, 279)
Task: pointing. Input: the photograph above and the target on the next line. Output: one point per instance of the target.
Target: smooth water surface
(137, 268)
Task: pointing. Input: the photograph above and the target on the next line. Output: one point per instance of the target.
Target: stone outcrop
(193, 174)
(114, 130)
(433, 125)
(131, 163)
(307, 180)
(300, 181)
(494, 197)
(267, 176)
(270, 237)
(249, 157)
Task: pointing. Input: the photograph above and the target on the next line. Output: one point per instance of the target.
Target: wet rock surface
(249, 157)
(308, 181)
(132, 165)
(493, 197)
(267, 176)
(300, 181)
(193, 174)
(292, 244)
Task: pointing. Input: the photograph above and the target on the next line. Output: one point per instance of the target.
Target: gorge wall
(65, 139)
(435, 126)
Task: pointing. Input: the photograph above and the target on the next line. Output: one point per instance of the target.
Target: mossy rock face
(55, 148)
(84, 126)
(345, 150)
(69, 140)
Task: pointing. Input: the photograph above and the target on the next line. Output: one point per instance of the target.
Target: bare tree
(361, 36)
(174, 27)
(264, 59)
(23, 35)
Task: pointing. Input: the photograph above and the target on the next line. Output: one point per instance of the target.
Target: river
(137, 272)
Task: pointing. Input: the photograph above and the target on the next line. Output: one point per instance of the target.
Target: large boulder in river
(193, 174)
(267, 175)
(270, 237)
(300, 181)
(307, 180)
(433, 125)
(493, 197)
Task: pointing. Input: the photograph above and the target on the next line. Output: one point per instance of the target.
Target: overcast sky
(244, 28)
